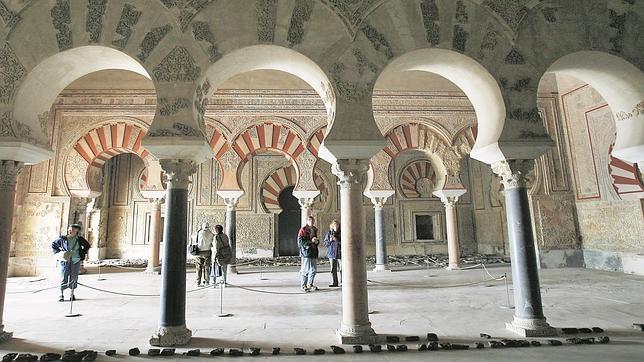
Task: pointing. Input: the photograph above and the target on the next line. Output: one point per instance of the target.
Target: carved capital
(350, 173)
(514, 173)
(178, 172)
(306, 202)
(379, 202)
(8, 174)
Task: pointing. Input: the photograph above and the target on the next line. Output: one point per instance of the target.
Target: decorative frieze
(377, 40)
(300, 16)
(178, 129)
(266, 16)
(129, 17)
(431, 21)
(62, 19)
(201, 32)
(170, 106)
(94, 23)
(177, 66)
(151, 40)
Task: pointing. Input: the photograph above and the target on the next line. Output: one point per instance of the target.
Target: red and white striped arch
(315, 141)
(627, 179)
(404, 137)
(417, 179)
(268, 136)
(217, 140)
(283, 178)
(102, 143)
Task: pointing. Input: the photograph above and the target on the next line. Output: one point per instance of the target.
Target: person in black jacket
(70, 250)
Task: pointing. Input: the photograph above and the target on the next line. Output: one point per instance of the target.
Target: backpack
(225, 254)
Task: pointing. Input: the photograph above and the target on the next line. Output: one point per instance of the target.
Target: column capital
(231, 198)
(156, 201)
(178, 172)
(514, 173)
(350, 172)
(8, 174)
(305, 202)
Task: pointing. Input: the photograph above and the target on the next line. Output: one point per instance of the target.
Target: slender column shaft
(155, 240)
(231, 231)
(529, 319)
(355, 327)
(306, 204)
(8, 174)
(172, 325)
(453, 244)
(381, 246)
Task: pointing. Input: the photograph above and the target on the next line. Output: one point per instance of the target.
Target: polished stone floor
(268, 309)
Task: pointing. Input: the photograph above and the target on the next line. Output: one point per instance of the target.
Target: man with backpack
(222, 255)
(70, 250)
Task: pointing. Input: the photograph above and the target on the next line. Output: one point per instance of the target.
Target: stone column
(172, 326)
(529, 320)
(355, 327)
(231, 198)
(305, 204)
(8, 174)
(379, 223)
(155, 236)
(449, 198)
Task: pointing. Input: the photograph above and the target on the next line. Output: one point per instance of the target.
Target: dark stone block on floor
(194, 353)
(48, 357)
(412, 338)
(357, 349)
(485, 335)
(393, 339)
(446, 346)
(299, 351)
(585, 330)
(170, 352)
(432, 337)
(569, 330)
(319, 351)
(639, 326)
(134, 351)
(276, 351)
(603, 340)
(153, 352)
(479, 345)
(432, 346)
(217, 352)
(496, 344)
(254, 351)
(421, 347)
(535, 343)
(460, 346)
(69, 351)
(71, 357)
(555, 342)
(90, 356)
(391, 348)
(9, 357)
(597, 330)
(337, 350)
(375, 348)
(402, 348)
(110, 352)
(235, 352)
(26, 357)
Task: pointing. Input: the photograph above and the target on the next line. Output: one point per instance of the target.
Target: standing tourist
(222, 255)
(201, 243)
(333, 250)
(70, 250)
(307, 241)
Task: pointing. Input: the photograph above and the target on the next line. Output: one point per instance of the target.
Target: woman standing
(333, 249)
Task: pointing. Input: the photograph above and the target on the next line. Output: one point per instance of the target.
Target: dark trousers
(336, 266)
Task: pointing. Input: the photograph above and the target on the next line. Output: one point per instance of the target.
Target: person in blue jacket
(70, 250)
(333, 249)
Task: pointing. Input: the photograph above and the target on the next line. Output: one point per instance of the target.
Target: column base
(531, 327)
(357, 335)
(4, 335)
(171, 336)
(153, 270)
(381, 268)
(453, 267)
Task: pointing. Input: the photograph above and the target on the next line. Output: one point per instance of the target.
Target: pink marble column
(449, 196)
(155, 237)
(355, 327)
(8, 174)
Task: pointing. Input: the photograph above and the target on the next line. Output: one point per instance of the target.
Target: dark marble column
(231, 230)
(355, 327)
(8, 174)
(529, 320)
(172, 325)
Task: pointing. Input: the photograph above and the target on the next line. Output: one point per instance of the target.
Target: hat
(75, 226)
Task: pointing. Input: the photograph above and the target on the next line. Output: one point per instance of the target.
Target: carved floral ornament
(12, 128)
(637, 110)
(513, 173)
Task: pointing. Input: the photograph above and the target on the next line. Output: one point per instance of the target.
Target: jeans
(308, 270)
(68, 275)
(219, 271)
(336, 266)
